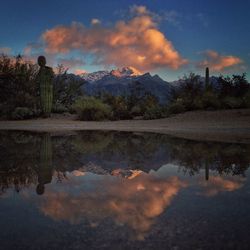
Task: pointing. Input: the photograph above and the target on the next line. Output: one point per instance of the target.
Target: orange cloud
(137, 42)
(79, 71)
(218, 62)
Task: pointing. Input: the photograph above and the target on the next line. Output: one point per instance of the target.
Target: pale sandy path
(226, 125)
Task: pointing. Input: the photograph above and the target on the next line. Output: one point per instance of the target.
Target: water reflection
(131, 202)
(131, 178)
(219, 184)
(33, 158)
(45, 165)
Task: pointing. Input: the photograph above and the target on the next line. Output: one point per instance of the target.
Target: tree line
(20, 95)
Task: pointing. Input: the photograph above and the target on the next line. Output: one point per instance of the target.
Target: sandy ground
(225, 125)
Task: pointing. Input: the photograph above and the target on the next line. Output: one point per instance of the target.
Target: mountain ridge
(121, 81)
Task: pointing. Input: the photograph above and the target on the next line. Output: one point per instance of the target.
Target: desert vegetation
(23, 90)
(227, 93)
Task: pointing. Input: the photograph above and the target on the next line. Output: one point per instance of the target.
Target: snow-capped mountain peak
(119, 73)
(95, 76)
(125, 72)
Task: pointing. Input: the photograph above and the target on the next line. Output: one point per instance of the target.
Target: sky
(166, 37)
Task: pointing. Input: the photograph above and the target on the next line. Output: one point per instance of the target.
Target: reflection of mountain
(107, 152)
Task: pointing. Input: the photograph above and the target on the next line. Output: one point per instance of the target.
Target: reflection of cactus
(207, 78)
(45, 77)
(45, 169)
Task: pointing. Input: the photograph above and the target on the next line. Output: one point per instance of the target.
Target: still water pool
(119, 190)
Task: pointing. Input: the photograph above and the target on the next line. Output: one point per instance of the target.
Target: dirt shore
(223, 125)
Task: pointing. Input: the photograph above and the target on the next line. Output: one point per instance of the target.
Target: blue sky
(204, 33)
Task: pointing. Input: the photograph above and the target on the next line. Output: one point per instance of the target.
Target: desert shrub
(156, 112)
(198, 103)
(5, 111)
(17, 83)
(136, 111)
(21, 113)
(135, 97)
(67, 88)
(188, 90)
(210, 100)
(246, 100)
(176, 107)
(59, 108)
(149, 101)
(92, 109)
(118, 105)
(231, 102)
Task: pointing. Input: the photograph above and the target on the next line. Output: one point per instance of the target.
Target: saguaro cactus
(45, 77)
(207, 84)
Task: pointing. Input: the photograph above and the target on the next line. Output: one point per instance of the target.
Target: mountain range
(122, 81)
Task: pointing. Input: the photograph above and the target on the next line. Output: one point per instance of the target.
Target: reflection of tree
(27, 157)
(130, 149)
(225, 158)
(18, 155)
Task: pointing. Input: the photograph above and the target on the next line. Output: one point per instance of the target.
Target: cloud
(95, 21)
(137, 42)
(71, 62)
(79, 71)
(5, 50)
(173, 17)
(140, 10)
(218, 62)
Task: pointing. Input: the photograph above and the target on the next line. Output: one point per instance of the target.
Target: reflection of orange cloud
(135, 202)
(218, 62)
(137, 43)
(217, 184)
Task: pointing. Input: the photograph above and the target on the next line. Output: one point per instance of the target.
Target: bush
(154, 113)
(118, 105)
(198, 103)
(18, 82)
(67, 88)
(231, 102)
(176, 107)
(136, 111)
(92, 109)
(21, 113)
(210, 100)
(59, 108)
(246, 100)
